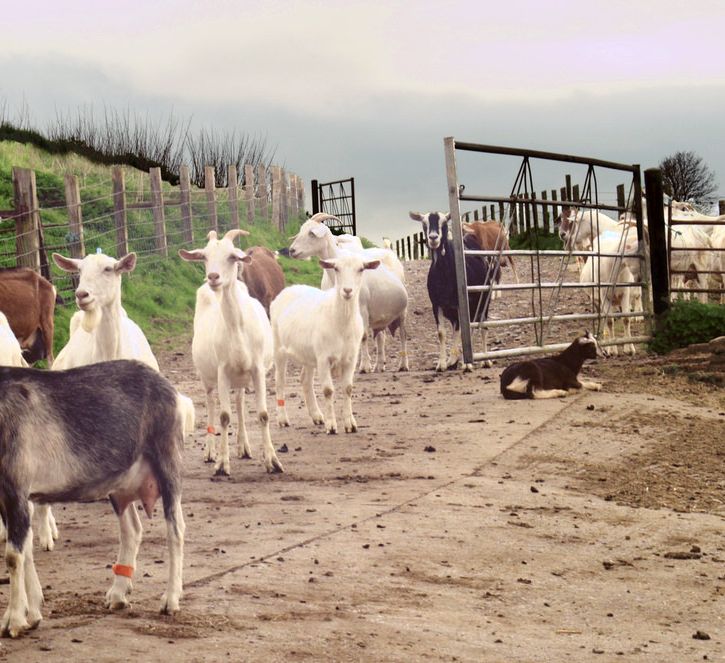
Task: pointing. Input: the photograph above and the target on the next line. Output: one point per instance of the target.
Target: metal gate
(555, 310)
(336, 198)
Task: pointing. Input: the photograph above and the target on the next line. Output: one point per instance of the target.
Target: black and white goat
(442, 288)
(551, 377)
(110, 429)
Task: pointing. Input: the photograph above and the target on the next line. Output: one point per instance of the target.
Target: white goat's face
(99, 283)
(349, 272)
(310, 240)
(567, 224)
(435, 227)
(220, 257)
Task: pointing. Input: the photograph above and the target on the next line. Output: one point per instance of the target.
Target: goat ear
(197, 255)
(467, 228)
(66, 264)
(319, 230)
(371, 264)
(446, 217)
(327, 264)
(416, 216)
(241, 256)
(125, 264)
(211, 235)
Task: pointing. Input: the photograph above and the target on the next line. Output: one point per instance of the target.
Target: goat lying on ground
(322, 330)
(28, 301)
(108, 429)
(551, 377)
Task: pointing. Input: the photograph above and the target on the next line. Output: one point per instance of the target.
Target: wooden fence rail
(151, 224)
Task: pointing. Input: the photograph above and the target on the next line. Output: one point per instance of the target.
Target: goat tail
(185, 407)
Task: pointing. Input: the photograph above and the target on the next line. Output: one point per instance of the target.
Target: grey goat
(110, 429)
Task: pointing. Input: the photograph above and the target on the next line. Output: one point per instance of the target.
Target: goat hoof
(275, 467)
(351, 429)
(221, 472)
(169, 606)
(403, 369)
(245, 455)
(332, 430)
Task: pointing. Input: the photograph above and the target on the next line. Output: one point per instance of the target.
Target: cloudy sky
(369, 89)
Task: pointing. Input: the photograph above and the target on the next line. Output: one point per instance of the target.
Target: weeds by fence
(153, 219)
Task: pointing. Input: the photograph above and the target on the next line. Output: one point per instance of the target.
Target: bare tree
(686, 176)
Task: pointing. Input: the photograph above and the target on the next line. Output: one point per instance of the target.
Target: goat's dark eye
(108, 269)
(361, 270)
(311, 233)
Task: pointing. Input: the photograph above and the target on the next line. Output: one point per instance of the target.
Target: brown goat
(28, 302)
(263, 276)
(491, 235)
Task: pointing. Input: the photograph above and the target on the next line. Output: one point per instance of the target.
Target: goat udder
(148, 492)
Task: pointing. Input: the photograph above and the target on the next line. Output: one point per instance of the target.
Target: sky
(370, 89)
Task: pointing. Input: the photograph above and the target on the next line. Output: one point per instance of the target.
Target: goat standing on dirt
(551, 377)
(110, 429)
(231, 347)
(442, 288)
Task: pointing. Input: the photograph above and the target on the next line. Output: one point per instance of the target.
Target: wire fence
(150, 219)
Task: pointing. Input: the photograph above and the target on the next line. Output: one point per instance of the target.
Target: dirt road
(453, 526)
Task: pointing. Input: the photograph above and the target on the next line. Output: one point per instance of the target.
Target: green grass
(159, 295)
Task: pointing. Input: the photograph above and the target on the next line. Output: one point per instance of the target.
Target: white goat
(322, 330)
(383, 297)
(690, 255)
(101, 331)
(717, 239)
(579, 227)
(231, 348)
(615, 270)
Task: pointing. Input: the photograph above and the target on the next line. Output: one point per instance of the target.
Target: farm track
(453, 526)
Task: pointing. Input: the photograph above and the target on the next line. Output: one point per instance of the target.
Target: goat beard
(91, 319)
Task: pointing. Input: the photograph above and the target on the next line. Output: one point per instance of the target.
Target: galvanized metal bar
(532, 286)
(536, 154)
(554, 347)
(542, 201)
(464, 315)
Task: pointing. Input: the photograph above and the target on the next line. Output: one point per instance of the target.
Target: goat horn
(211, 234)
(234, 233)
(322, 216)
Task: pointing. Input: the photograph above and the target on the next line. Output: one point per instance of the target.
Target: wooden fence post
(76, 244)
(294, 210)
(233, 201)
(276, 196)
(210, 188)
(554, 209)
(575, 192)
(658, 242)
(187, 226)
(262, 203)
(621, 200)
(119, 211)
(249, 191)
(545, 212)
(567, 179)
(27, 221)
(157, 203)
(300, 197)
(721, 207)
(285, 200)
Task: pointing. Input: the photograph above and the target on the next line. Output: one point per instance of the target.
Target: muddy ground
(453, 526)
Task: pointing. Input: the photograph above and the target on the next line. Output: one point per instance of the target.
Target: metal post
(464, 315)
(315, 198)
(352, 202)
(657, 239)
